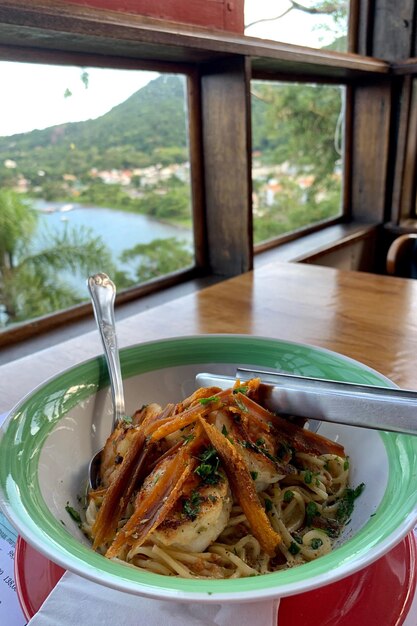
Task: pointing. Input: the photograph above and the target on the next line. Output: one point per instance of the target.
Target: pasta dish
(217, 486)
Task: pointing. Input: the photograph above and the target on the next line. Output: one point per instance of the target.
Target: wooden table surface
(367, 317)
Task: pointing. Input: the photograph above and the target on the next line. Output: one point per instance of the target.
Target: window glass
(94, 176)
(297, 156)
(313, 23)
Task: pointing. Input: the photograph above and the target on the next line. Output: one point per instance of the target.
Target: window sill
(312, 247)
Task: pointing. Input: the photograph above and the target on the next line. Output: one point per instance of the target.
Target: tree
(298, 124)
(297, 132)
(336, 9)
(32, 281)
(159, 257)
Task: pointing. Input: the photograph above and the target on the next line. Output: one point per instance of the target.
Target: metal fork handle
(103, 293)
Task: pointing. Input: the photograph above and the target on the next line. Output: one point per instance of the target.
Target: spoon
(103, 293)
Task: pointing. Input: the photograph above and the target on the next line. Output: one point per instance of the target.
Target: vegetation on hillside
(148, 128)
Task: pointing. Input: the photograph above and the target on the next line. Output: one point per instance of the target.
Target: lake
(119, 230)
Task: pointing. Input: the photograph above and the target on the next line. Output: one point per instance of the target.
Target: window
(313, 23)
(94, 176)
(217, 67)
(297, 156)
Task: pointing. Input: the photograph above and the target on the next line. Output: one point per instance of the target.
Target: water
(119, 230)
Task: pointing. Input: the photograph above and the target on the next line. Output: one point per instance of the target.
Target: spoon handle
(103, 293)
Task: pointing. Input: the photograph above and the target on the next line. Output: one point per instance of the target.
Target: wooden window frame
(219, 66)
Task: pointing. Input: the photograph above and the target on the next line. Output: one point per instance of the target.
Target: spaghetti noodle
(217, 486)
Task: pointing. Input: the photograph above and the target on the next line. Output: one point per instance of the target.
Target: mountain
(148, 127)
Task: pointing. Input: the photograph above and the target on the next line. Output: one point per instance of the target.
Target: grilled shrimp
(199, 515)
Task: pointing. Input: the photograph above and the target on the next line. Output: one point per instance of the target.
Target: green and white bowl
(49, 438)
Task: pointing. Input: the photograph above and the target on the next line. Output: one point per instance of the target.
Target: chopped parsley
(208, 470)
(284, 451)
(191, 506)
(308, 477)
(254, 475)
(188, 438)
(224, 430)
(316, 543)
(128, 419)
(294, 548)
(73, 513)
(243, 389)
(241, 406)
(208, 400)
(268, 505)
(311, 512)
(346, 464)
(347, 503)
(256, 448)
(288, 496)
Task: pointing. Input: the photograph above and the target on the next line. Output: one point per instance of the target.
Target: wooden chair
(402, 256)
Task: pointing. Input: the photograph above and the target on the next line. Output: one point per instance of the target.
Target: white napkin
(78, 601)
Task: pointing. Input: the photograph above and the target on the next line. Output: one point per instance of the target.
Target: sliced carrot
(296, 436)
(170, 425)
(113, 501)
(243, 489)
(255, 409)
(304, 440)
(124, 482)
(201, 392)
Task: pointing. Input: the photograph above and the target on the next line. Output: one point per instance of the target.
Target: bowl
(50, 436)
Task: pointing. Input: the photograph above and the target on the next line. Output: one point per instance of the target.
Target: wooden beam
(393, 29)
(55, 25)
(227, 166)
(219, 14)
(370, 149)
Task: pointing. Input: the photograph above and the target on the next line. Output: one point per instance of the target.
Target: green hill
(149, 127)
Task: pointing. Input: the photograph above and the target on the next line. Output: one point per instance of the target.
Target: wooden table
(367, 317)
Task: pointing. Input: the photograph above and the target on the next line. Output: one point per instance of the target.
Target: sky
(33, 95)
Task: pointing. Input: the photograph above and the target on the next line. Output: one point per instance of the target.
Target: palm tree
(32, 281)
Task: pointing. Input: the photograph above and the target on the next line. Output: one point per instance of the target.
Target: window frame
(28, 328)
(219, 67)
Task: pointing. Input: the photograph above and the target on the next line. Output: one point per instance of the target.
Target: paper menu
(10, 611)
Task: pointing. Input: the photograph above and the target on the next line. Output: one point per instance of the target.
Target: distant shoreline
(50, 206)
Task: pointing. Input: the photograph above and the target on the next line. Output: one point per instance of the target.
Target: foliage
(17, 226)
(149, 127)
(101, 194)
(32, 282)
(161, 256)
(296, 127)
(337, 10)
(172, 203)
(289, 212)
(297, 123)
